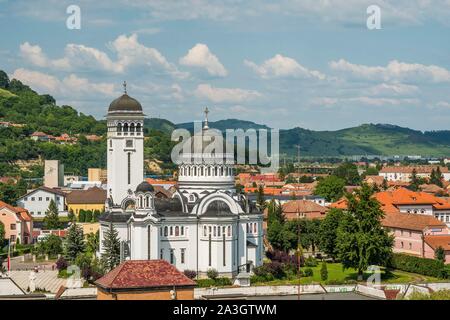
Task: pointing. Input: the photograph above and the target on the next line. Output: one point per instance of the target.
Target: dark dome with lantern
(125, 103)
(144, 187)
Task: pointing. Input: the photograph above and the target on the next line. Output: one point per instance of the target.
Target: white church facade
(205, 225)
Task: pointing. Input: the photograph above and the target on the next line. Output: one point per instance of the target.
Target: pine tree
(51, 219)
(261, 202)
(414, 185)
(74, 242)
(384, 185)
(111, 248)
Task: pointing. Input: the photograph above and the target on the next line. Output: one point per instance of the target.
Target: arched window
(220, 171)
(171, 231)
(215, 231)
(247, 228)
(195, 171)
(254, 227)
(119, 127)
(125, 127)
(201, 171)
(147, 198)
(177, 231)
(165, 231)
(208, 173)
(110, 143)
(210, 230)
(205, 231)
(191, 198)
(229, 231)
(138, 127)
(218, 231)
(182, 230)
(132, 127)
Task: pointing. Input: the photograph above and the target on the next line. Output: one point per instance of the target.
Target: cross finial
(205, 126)
(125, 87)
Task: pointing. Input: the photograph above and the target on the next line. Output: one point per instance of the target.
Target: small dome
(144, 186)
(125, 103)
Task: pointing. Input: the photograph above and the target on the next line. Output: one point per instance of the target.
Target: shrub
(427, 267)
(311, 262)
(324, 271)
(81, 215)
(88, 217)
(212, 273)
(61, 264)
(191, 274)
(308, 272)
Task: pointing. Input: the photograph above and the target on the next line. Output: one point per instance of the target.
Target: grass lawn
(336, 275)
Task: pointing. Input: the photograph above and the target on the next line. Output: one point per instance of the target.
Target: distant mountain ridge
(366, 139)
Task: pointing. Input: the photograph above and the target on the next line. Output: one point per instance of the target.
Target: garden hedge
(427, 267)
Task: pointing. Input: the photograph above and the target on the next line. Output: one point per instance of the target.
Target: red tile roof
(140, 274)
(409, 169)
(21, 213)
(409, 221)
(307, 209)
(435, 241)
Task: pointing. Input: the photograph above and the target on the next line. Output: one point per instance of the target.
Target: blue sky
(285, 63)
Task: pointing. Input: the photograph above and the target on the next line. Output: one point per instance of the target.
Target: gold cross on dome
(125, 87)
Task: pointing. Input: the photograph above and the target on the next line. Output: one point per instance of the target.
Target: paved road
(47, 280)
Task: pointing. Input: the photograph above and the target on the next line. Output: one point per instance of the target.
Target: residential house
(303, 209)
(17, 222)
(38, 200)
(145, 280)
(90, 199)
(433, 242)
(374, 180)
(39, 136)
(404, 173)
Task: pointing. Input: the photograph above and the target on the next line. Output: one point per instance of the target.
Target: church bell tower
(125, 122)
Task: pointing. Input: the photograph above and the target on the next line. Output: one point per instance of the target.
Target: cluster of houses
(62, 139)
(419, 221)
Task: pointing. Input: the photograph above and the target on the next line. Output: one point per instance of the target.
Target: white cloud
(129, 51)
(225, 94)
(394, 89)
(394, 71)
(363, 101)
(200, 56)
(71, 86)
(281, 67)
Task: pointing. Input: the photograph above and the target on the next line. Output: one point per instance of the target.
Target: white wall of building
(38, 201)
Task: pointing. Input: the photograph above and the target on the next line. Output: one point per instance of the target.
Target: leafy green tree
(306, 179)
(92, 242)
(71, 216)
(439, 254)
(361, 239)
(328, 232)
(96, 214)
(51, 245)
(74, 242)
(331, 188)
(370, 171)
(348, 172)
(111, 248)
(4, 80)
(51, 219)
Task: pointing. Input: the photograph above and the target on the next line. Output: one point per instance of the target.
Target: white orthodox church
(205, 225)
